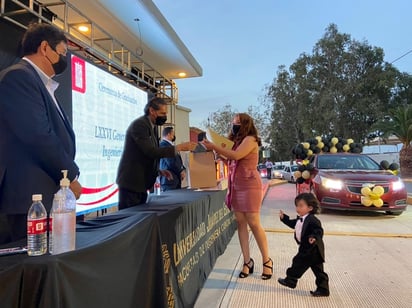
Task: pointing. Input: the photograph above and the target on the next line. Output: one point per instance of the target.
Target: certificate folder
(218, 139)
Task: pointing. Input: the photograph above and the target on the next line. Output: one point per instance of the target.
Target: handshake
(186, 146)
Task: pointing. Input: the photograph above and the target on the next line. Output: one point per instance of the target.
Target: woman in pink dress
(245, 190)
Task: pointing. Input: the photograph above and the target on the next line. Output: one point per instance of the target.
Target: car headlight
(398, 185)
(332, 184)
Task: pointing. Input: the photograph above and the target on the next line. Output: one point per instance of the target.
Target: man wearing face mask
(36, 138)
(172, 164)
(139, 164)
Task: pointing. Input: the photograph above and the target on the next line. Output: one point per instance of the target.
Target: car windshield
(346, 162)
(278, 167)
(261, 166)
(293, 168)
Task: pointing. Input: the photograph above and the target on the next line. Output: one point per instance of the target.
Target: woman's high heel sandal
(250, 267)
(266, 264)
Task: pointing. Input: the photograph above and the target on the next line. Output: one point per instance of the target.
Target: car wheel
(292, 180)
(395, 213)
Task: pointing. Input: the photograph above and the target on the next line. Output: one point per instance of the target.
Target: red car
(337, 181)
(262, 170)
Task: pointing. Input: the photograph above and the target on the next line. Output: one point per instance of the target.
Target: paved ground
(369, 262)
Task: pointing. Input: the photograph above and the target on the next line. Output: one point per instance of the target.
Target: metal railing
(98, 46)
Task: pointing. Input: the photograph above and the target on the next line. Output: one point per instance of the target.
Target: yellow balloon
(374, 196)
(320, 145)
(378, 202)
(350, 141)
(310, 152)
(335, 140)
(378, 190)
(306, 174)
(394, 172)
(366, 201)
(297, 174)
(365, 191)
(346, 147)
(306, 145)
(333, 150)
(305, 162)
(318, 138)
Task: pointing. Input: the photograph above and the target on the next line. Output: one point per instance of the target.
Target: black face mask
(174, 139)
(235, 129)
(160, 120)
(60, 65)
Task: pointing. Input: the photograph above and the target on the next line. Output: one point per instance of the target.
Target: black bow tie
(299, 218)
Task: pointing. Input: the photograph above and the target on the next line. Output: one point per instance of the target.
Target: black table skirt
(154, 255)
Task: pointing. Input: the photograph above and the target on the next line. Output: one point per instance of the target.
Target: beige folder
(218, 139)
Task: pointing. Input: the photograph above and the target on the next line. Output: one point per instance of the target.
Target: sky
(240, 44)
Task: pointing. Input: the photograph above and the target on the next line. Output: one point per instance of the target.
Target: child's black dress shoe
(318, 293)
(287, 283)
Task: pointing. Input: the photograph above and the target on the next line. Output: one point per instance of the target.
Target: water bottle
(157, 187)
(37, 228)
(63, 219)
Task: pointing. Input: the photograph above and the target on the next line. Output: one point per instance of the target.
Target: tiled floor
(366, 269)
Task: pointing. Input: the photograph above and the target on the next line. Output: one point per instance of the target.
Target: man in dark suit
(172, 164)
(309, 236)
(36, 138)
(139, 164)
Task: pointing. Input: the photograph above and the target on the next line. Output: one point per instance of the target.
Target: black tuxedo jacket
(36, 141)
(139, 165)
(311, 227)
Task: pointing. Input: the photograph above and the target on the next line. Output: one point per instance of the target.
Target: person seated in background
(172, 164)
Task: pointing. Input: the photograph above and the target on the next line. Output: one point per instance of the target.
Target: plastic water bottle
(63, 219)
(37, 228)
(157, 187)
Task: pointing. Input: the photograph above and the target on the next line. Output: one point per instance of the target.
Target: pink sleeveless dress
(245, 184)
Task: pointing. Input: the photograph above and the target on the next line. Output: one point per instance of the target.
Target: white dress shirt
(298, 227)
(50, 84)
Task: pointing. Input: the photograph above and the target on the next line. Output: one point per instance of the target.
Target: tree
(283, 131)
(399, 123)
(261, 120)
(220, 121)
(341, 89)
(402, 92)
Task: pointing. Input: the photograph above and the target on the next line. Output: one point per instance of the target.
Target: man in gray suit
(139, 165)
(36, 138)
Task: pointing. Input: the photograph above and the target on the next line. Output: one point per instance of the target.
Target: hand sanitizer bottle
(63, 219)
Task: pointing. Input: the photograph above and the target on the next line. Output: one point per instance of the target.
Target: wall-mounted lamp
(83, 28)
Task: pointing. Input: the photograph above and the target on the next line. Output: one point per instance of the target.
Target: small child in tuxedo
(311, 253)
